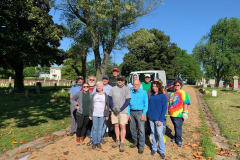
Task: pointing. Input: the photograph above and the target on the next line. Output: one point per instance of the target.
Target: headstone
(55, 96)
(212, 83)
(62, 91)
(235, 83)
(33, 83)
(27, 93)
(39, 84)
(73, 83)
(204, 85)
(58, 79)
(30, 83)
(38, 89)
(55, 84)
(1, 84)
(64, 84)
(45, 79)
(227, 86)
(220, 85)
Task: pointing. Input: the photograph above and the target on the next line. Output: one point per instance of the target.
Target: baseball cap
(120, 77)
(106, 77)
(80, 77)
(116, 69)
(147, 75)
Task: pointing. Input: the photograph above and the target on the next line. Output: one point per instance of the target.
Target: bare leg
(117, 130)
(123, 132)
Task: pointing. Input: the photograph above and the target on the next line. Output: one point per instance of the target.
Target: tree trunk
(84, 63)
(100, 71)
(18, 80)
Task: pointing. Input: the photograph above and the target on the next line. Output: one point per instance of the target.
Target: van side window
(157, 76)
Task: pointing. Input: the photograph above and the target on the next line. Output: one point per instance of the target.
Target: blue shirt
(139, 101)
(106, 89)
(75, 88)
(157, 107)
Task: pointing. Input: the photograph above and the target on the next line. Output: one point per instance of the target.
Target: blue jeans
(164, 125)
(103, 130)
(135, 118)
(177, 123)
(157, 135)
(97, 129)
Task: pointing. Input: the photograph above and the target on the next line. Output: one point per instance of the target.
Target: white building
(55, 73)
(42, 75)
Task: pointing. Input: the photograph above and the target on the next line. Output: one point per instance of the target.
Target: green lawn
(23, 121)
(226, 108)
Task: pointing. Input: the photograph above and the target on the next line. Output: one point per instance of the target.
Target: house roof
(56, 68)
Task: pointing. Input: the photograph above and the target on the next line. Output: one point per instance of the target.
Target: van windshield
(142, 77)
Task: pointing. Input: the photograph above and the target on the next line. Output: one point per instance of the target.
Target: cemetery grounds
(26, 121)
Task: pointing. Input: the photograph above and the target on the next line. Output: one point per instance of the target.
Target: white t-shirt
(99, 104)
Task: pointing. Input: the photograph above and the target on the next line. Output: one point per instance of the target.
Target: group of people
(95, 108)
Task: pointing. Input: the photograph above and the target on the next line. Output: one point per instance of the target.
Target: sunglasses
(177, 85)
(120, 80)
(91, 79)
(85, 86)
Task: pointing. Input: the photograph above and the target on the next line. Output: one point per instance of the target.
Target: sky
(185, 21)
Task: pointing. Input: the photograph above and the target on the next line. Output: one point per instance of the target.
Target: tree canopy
(29, 37)
(149, 50)
(105, 20)
(219, 50)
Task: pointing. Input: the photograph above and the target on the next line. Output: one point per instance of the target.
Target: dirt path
(66, 148)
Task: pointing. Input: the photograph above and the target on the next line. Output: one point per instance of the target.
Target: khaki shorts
(121, 118)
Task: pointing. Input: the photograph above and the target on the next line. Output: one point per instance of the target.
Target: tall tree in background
(105, 20)
(28, 37)
(219, 50)
(149, 50)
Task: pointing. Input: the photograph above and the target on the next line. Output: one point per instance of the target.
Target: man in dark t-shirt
(113, 80)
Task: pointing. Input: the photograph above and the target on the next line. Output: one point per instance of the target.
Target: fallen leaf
(33, 157)
(22, 141)
(1, 134)
(52, 154)
(66, 153)
(105, 151)
(59, 156)
(127, 152)
(18, 152)
(185, 148)
(110, 157)
(59, 150)
(237, 145)
(14, 142)
(12, 137)
(74, 152)
(89, 149)
(84, 149)
(69, 145)
(1, 146)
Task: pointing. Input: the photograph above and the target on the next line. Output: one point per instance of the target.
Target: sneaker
(78, 141)
(122, 147)
(82, 140)
(153, 152)
(162, 155)
(106, 134)
(117, 143)
(140, 150)
(179, 144)
(103, 141)
(99, 145)
(134, 145)
(173, 140)
(71, 134)
(90, 143)
(94, 146)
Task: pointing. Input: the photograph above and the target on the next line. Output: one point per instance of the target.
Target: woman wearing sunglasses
(156, 113)
(81, 101)
(98, 113)
(178, 110)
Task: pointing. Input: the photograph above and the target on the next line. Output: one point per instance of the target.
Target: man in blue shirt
(137, 110)
(75, 88)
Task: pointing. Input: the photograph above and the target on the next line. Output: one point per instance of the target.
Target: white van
(155, 74)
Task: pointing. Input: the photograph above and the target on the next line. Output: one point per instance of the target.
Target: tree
(46, 69)
(67, 71)
(28, 37)
(6, 73)
(219, 50)
(187, 66)
(149, 50)
(105, 20)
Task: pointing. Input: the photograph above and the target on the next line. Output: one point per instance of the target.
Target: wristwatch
(184, 112)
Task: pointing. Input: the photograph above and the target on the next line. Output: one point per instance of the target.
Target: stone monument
(212, 83)
(220, 84)
(27, 93)
(10, 80)
(235, 83)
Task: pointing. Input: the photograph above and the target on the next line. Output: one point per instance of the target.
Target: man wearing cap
(113, 80)
(106, 88)
(75, 88)
(147, 84)
(119, 98)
